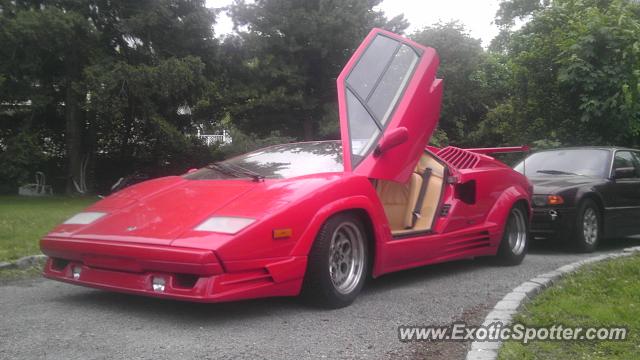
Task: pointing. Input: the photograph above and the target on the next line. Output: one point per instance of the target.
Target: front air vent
(59, 264)
(445, 210)
(185, 281)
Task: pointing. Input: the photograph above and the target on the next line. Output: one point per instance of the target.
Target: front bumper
(550, 222)
(189, 274)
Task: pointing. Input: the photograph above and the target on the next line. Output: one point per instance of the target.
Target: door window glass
(373, 89)
(386, 94)
(636, 162)
(371, 65)
(362, 128)
(625, 159)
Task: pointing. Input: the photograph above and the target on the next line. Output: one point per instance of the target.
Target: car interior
(411, 207)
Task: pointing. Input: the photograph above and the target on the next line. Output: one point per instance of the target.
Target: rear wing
(500, 150)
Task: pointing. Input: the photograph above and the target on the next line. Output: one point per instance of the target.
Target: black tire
(585, 237)
(322, 289)
(515, 239)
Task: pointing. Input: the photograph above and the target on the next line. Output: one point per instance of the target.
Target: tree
(600, 70)
(512, 10)
(154, 85)
(48, 47)
(460, 56)
(114, 77)
(574, 69)
(291, 54)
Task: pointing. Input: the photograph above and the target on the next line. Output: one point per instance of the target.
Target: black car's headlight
(540, 200)
(544, 200)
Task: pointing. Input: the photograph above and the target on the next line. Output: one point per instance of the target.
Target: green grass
(601, 295)
(10, 275)
(23, 221)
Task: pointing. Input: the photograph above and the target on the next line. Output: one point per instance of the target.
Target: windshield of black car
(277, 162)
(584, 162)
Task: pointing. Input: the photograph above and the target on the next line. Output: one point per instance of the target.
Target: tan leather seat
(426, 161)
(399, 201)
(434, 191)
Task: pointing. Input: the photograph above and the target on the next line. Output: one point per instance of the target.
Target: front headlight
(84, 218)
(224, 224)
(540, 200)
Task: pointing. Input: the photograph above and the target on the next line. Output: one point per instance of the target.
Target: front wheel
(515, 240)
(338, 263)
(588, 227)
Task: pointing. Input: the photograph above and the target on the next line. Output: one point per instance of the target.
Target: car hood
(157, 211)
(161, 211)
(557, 183)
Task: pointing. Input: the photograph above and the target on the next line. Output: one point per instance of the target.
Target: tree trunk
(126, 146)
(307, 127)
(90, 140)
(73, 137)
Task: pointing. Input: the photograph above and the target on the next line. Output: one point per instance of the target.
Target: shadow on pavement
(551, 247)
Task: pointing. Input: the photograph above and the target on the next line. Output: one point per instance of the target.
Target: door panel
(624, 210)
(389, 83)
(635, 217)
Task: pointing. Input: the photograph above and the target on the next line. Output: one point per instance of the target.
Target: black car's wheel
(588, 229)
(515, 240)
(338, 263)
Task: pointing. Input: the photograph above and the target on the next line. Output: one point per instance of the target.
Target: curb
(505, 309)
(23, 262)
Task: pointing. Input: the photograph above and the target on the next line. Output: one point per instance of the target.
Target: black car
(584, 194)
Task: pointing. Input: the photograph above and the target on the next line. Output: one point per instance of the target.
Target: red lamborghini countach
(313, 218)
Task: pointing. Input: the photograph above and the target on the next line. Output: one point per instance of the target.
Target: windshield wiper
(556, 172)
(235, 171)
(252, 174)
(222, 169)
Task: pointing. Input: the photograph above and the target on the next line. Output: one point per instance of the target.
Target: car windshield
(584, 162)
(277, 162)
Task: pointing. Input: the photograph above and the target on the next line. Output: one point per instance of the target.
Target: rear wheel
(338, 263)
(515, 240)
(588, 226)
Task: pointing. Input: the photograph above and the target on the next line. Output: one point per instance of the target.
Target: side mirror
(624, 173)
(392, 139)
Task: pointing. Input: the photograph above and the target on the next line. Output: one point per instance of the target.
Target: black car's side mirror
(624, 173)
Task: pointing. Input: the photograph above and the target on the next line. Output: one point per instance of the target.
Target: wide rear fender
(501, 208)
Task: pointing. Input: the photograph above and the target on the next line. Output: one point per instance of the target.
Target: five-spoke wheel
(346, 259)
(338, 262)
(588, 229)
(515, 239)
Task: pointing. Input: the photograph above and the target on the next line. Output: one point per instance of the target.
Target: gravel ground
(45, 319)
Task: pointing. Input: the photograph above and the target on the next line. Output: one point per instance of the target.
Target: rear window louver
(459, 158)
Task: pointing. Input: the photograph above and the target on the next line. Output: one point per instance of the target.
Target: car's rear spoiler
(500, 150)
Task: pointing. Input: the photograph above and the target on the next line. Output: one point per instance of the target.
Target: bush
(243, 143)
(20, 158)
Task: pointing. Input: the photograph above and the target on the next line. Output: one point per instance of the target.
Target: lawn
(23, 220)
(604, 294)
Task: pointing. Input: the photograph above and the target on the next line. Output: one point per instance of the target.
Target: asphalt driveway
(45, 319)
